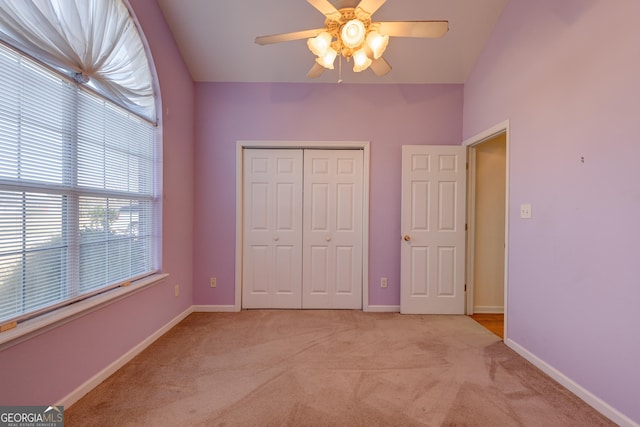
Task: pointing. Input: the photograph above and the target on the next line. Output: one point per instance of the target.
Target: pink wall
(44, 369)
(387, 115)
(567, 76)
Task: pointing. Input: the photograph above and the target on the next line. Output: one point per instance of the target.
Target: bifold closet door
(332, 230)
(302, 228)
(272, 229)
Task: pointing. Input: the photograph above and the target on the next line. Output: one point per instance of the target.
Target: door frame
(471, 144)
(320, 145)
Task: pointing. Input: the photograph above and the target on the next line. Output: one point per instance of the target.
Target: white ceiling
(216, 38)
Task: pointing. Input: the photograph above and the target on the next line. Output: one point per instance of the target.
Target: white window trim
(43, 323)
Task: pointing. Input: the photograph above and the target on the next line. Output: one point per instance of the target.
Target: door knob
(276, 238)
(327, 238)
(406, 238)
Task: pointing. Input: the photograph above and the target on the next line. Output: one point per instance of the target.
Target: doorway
(487, 228)
(276, 268)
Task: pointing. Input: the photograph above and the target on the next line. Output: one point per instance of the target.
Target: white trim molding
(215, 309)
(471, 143)
(598, 404)
(382, 309)
(94, 381)
(489, 309)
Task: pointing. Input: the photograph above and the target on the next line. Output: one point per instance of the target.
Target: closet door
(272, 229)
(332, 236)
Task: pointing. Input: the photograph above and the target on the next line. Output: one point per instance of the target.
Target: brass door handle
(406, 238)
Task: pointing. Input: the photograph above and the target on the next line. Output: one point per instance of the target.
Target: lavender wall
(567, 76)
(44, 369)
(387, 115)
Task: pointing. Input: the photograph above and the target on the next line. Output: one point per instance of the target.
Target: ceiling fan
(350, 32)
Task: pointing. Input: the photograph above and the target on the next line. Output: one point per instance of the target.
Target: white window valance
(95, 42)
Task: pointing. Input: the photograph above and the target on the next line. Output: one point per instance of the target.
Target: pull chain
(340, 69)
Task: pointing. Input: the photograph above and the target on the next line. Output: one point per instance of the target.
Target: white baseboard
(598, 404)
(215, 309)
(382, 309)
(489, 309)
(94, 381)
(233, 308)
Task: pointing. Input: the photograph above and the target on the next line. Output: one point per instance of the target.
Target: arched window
(79, 149)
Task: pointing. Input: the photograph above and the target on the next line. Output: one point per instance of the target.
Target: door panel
(419, 280)
(446, 271)
(344, 269)
(272, 230)
(332, 242)
(433, 227)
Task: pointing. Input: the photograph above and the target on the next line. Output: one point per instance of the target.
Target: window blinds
(78, 206)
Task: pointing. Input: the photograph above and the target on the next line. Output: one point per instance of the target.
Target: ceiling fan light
(377, 43)
(361, 61)
(328, 58)
(320, 44)
(353, 33)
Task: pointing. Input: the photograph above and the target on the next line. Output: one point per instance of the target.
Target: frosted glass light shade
(377, 43)
(353, 33)
(361, 61)
(320, 44)
(328, 58)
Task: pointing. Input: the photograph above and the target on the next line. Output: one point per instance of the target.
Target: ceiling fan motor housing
(335, 27)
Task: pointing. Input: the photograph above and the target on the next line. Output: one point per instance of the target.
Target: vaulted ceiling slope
(217, 40)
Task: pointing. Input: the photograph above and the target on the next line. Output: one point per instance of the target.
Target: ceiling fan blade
(315, 71)
(430, 29)
(370, 6)
(277, 38)
(380, 66)
(326, 8)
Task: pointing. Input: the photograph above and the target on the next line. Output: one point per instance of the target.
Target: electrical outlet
(525, 211)
(176, 290)
(213, 282)
(383, 282)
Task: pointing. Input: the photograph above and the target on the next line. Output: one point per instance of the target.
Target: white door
(302, 251)
(433, 229)
(332, 241)
(272, 230)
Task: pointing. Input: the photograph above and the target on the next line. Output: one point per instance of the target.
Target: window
(79, 205)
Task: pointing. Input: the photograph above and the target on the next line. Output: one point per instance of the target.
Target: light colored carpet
(329, 368)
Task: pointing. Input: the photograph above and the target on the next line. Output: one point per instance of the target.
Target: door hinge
(465, 287)
(466, 227)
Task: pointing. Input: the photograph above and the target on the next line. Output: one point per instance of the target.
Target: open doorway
(487, 229)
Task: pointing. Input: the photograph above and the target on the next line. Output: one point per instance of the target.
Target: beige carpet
(329, 368)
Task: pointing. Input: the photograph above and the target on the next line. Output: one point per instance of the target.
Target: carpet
(329, 368)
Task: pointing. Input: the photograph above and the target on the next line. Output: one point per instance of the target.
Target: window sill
(41, 324)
